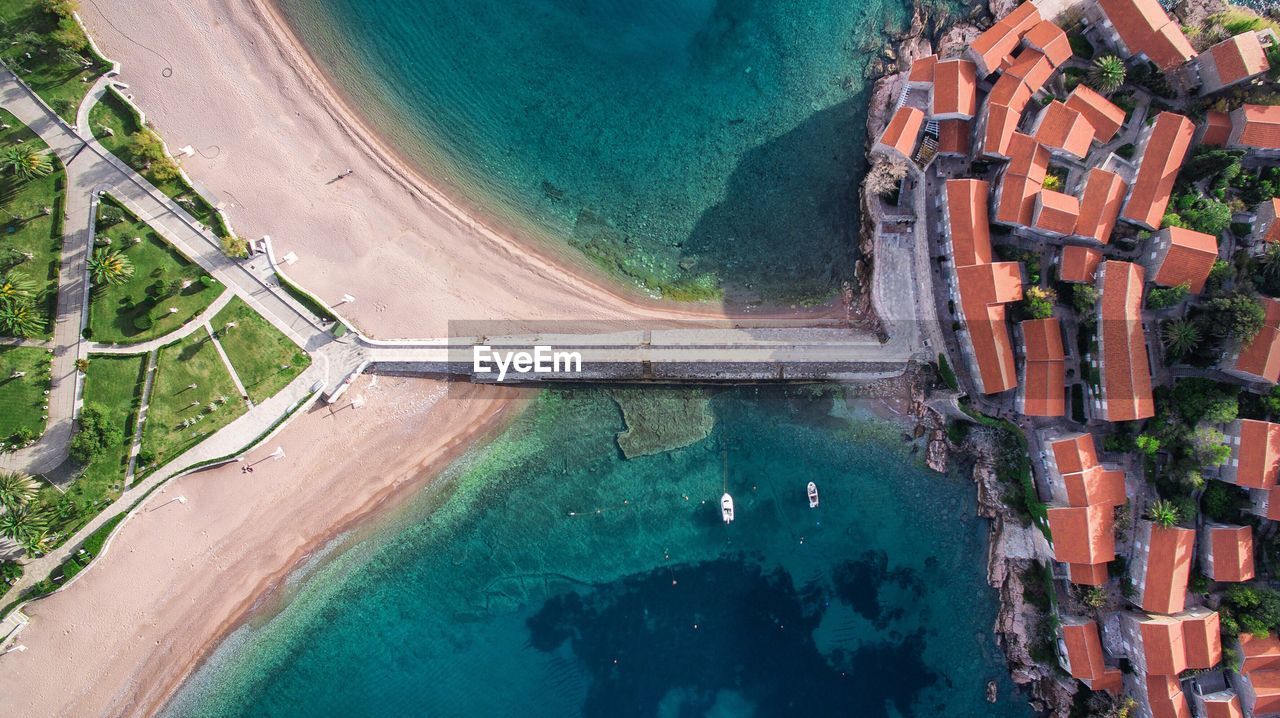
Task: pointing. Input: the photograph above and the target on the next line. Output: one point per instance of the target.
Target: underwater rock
(660, 420)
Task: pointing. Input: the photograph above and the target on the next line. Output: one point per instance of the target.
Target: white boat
(726, 508)
(813, 495)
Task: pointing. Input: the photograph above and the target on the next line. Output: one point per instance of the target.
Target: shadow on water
(697, 639)
(787, 227)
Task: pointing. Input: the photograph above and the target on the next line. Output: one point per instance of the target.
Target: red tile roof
(1017, 201)
(968, 225)
(1147, 29)
(1168, 565)
(1237, 58)
(1258, 456)
(1086, 482)
(1001, 124)
(1105, 117)
(1027, 158)
(1079, 263)
(1202, 637)
(903, 130)
(955, 89)
(922, 70)
(1126, 376)
(1100, 205)
(1011, 92)
(1190, 257)
(1162, 157)
(1232, 550)
(1222, 705)
(1087, 574)
(1257, 126)
(984, 290)
(1217, 128)
(1272, 208)
(953, 137)
(994, 44)
(1165, 697)
(1084, 650)
(1260, 653)
(1050, 40)
(1266, 689)
(1083, 534)
(1055, 212)
(1032, 68)
(1045, 371)
(1062, 128)
(1163, 645)
(1261, 356)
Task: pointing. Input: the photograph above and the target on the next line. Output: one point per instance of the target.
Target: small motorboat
(813, 495)
(726, 508)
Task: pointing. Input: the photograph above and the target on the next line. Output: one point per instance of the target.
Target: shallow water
(683, 143)
(548, 576)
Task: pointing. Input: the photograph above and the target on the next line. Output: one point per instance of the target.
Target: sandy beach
(178, 576)
(270, 133)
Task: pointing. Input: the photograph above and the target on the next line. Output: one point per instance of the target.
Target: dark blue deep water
(688, 145)
(546, 575)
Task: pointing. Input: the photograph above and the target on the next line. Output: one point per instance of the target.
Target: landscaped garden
(193, 396)
(119, 128)
(41, 42)
(24, 379)
(139, 279)
(264, 358)
(32, 184)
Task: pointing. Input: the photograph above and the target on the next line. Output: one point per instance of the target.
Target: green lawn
(22, 398)
(138, 309)
(114, 385)
(120, 129)
(258, 350)
(30, 240)
(62, 66)
(193, 360)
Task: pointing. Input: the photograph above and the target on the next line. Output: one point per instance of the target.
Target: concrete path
(144, 407)
(226, 361)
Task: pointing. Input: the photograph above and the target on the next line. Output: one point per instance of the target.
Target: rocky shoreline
(1011, 545)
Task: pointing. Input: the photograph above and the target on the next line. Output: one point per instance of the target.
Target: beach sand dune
(178, 576)
(270, 136)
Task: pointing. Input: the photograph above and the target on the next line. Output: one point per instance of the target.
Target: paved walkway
(226, 361)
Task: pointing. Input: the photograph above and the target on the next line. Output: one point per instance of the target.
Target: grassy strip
(264, 358)
(211, 405)
(62, 65)
(1013, 466)
(948, 375)
(22, 399)
(119, 128)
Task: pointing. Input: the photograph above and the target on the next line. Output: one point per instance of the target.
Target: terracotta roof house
(921, 74)
(1255, 454)
(1219, 704)
(1105, 117)
(1217, 128)
(1100, 204)
(1011, 92)
(1259, 684)
(1063, 130)
(1075, 477)
(1163, 148)
(1259, 360)
(1265, 503)
(1078, 264)
(1255, 128)
(1181, 256)
(953, 137)
(1162, 697)
(989, 49)
(1084, 539)
(1050, 40)
(1125, 391)
(1234, 60)
(1032, 68)
(955, 91)
(901, 134)
(1083, 657)
(1160, 567)
(1042, 391)
(1020, 181)
(1168, 645)
(1265, 228)
(1226, 552)
(1142, 28)
(979, 287)
(997, 124)
(1055, 213)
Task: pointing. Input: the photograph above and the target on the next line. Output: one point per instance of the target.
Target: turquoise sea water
(548, 576)
(683, 143)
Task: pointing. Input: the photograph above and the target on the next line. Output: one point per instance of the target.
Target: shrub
(1164, 297)
(143, 322)
(109, 215)
(948, 375)
(95, 434)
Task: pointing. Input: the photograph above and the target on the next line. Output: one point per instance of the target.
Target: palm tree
(1180, 337)
(1269, 262)
(25, 162)
(1163, 513)
(27, 524)
(16, 288)
(16, 489)
(109, 267)
(20, 320)
(1107, 74)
